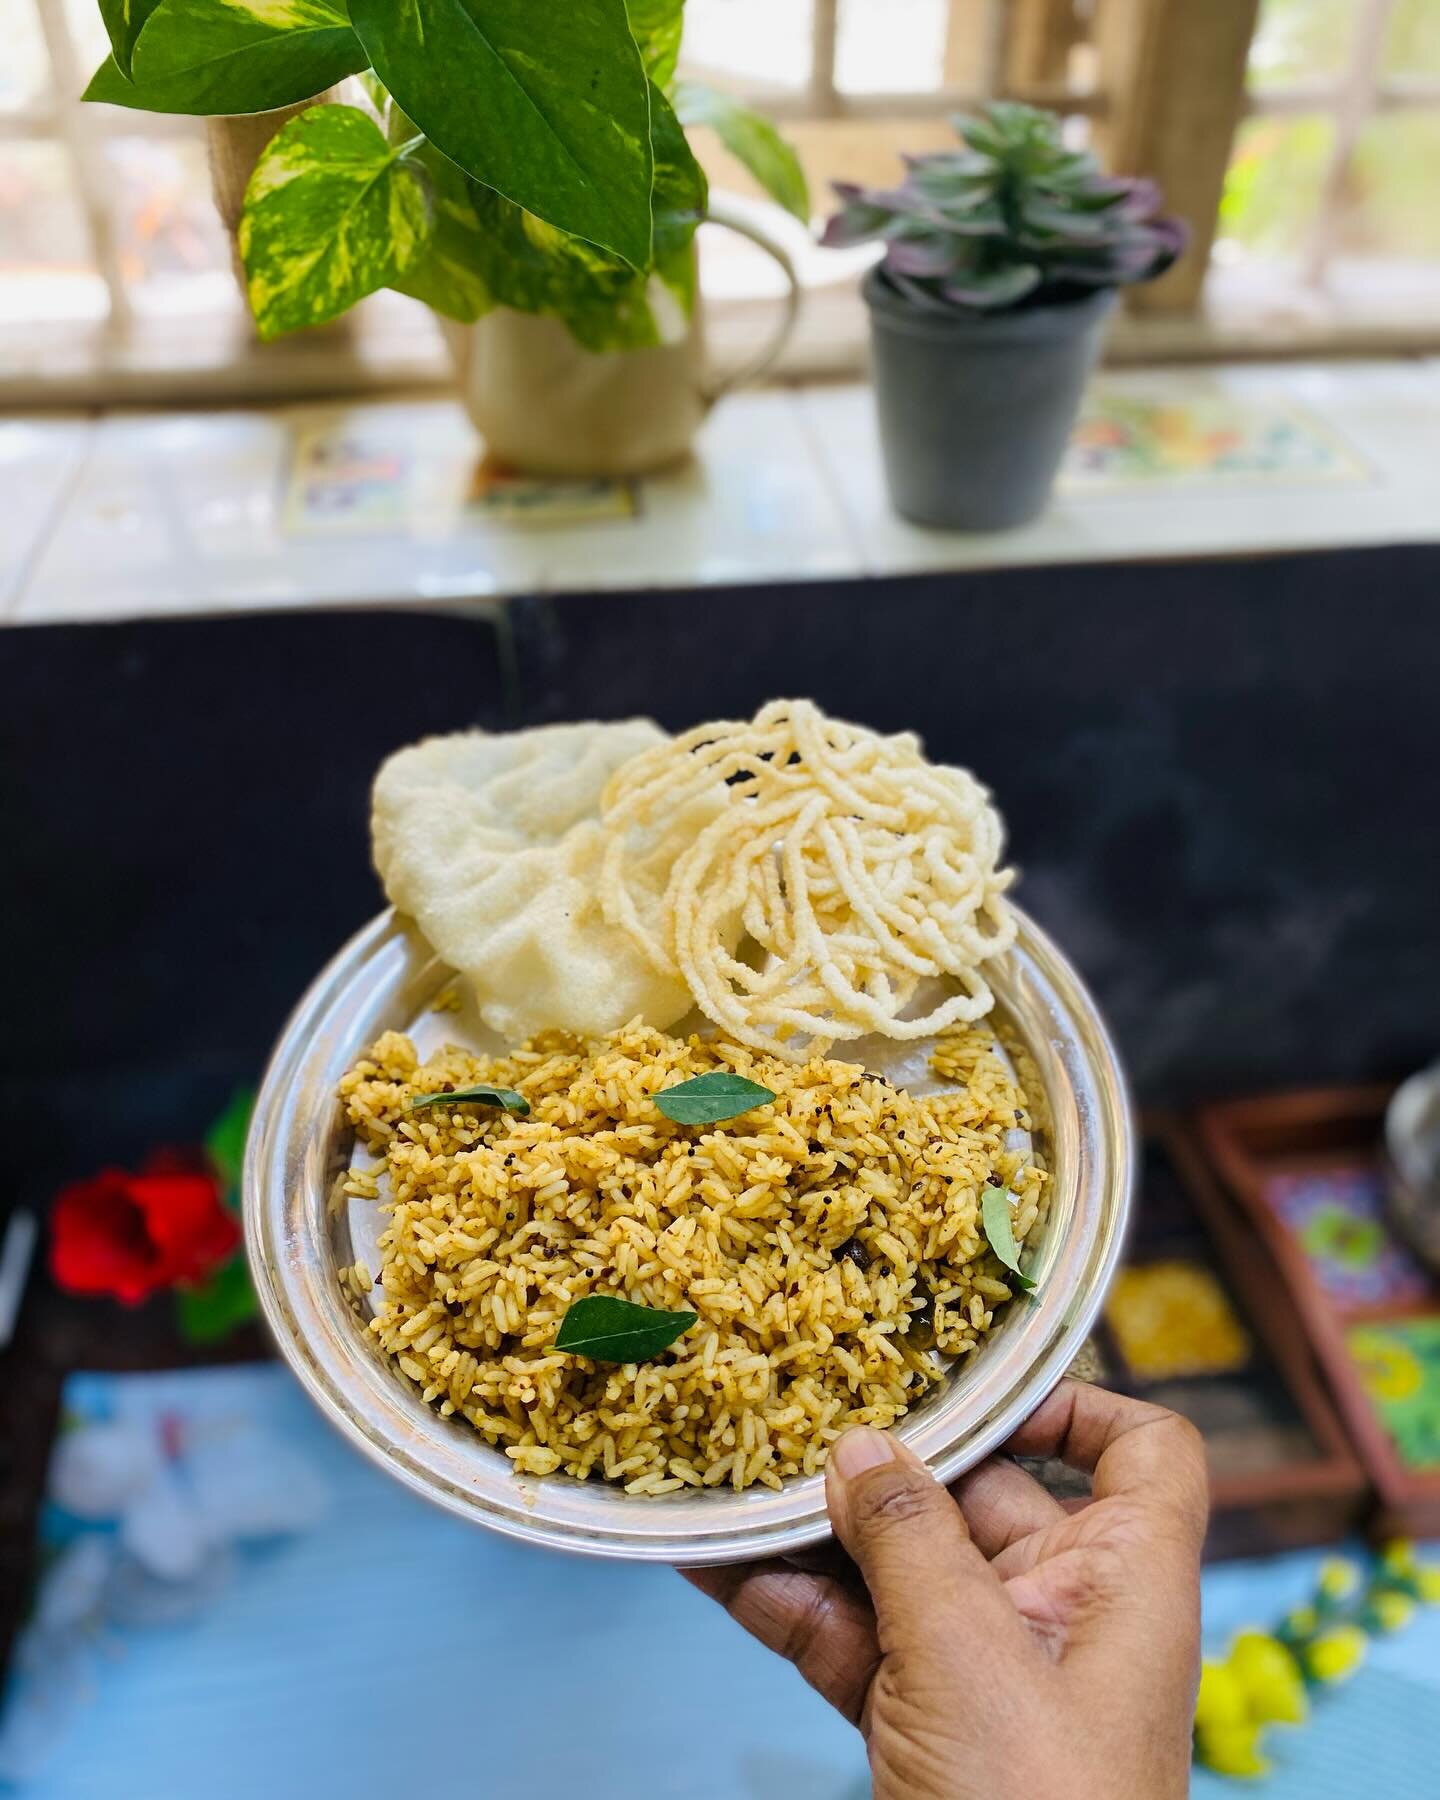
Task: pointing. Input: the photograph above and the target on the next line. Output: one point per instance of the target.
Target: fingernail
(861, 1449)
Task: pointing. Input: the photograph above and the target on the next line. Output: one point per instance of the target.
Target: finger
(1003, 1505)
(933, 1592)
(1136, 1450)
(822, 1625)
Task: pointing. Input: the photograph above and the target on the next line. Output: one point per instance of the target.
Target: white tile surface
(1388, 413)
(39, 458)
(754, 506)
(193, 513)
(156, 514)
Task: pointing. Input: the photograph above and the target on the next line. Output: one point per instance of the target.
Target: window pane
(893, 47)
(46, 271)
(174, 253)
(24, 66)
(760, 43)
(1389, 207)
(1300, 41)
(1412, 45)
(87, 34)
(1273, 186)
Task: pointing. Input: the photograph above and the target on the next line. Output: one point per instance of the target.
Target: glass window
(892, 49)
(755, 43)
(1272, 190)
(24, 66)
(173, 252)
(1299, 41)
(1412, 44)
(1388, 206)
(47, 272)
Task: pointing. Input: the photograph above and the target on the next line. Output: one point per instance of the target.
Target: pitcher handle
(755, 366)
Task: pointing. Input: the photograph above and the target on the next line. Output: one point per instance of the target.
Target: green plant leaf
(749, 139)
(610, 1330)
(1000, 1230)
(707, 1099)
(225, 1141)
(124, 20)
(223, 1304)
(681, 193)
(547, 104)
(656, 26)
(482, 1095)
(331, 213)
(232, 56)
(526, 264)
(448, 272)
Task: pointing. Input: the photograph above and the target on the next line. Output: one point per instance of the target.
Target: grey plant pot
(975, 408)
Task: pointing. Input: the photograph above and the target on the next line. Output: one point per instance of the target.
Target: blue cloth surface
(391, 1649)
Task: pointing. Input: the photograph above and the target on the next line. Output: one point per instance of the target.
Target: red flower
(130, 1235)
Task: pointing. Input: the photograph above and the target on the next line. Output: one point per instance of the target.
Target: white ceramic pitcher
(546, 406)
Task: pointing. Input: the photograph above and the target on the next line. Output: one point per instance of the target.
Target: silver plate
(386, 978)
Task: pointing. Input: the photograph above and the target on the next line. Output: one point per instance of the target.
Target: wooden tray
(1292, 1138)
(1282, 1471)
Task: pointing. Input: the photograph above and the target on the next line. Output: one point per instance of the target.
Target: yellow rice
(803, 1235)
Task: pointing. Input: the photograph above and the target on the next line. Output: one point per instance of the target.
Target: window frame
(1181, 132)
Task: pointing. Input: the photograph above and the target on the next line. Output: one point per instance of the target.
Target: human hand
(987, 1642)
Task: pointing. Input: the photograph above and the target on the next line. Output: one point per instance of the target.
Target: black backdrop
(1220, 780)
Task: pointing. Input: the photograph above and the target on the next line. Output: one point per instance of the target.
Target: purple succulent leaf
(924, 257)
(1044, 218)
(896, 199)
(991, 289)
(860, 218)
(1063, 219)
(1174, 237)
(954, 196)
(843, 230)
(960, 164)
(1143, 200)
(988, 224)
(916, 293)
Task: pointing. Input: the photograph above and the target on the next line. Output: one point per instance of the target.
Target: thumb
(934, 1593)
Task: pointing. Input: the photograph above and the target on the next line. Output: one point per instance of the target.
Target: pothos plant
(520, 153)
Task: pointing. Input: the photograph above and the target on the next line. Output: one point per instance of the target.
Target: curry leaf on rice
(608, 1329)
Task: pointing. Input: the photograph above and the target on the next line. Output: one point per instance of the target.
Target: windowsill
(374, 503)
(390, 344)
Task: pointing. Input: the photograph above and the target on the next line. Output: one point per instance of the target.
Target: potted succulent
(1001, 262)
(521, 168)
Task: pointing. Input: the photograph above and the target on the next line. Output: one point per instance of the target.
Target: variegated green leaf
(447, 272)
(332, 212)
(751, 140)
(232, 56)
(545, 103)
(606, 305)
(656, 26)
(123, 21)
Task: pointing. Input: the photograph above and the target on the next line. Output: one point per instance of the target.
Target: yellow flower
(1398, 1557)
(1270, 1679)
(1427, 1580)
(1339, 1578)
(1231, 1749)
(1221, 1700)
(1391, 1610)
(1335, 1655)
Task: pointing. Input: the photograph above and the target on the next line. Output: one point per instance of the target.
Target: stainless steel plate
(386, 978)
